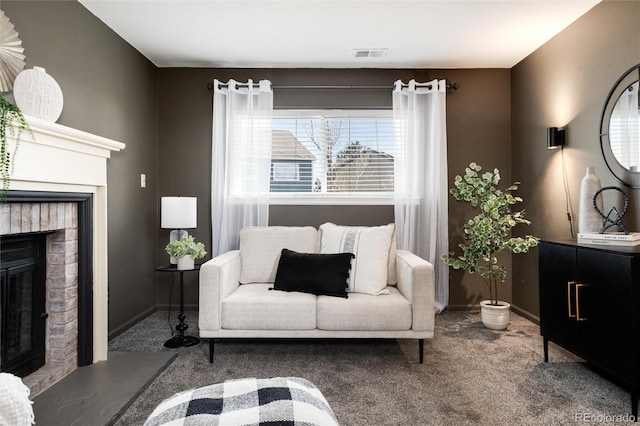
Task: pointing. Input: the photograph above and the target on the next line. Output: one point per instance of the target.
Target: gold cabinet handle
(578, 317)
(569, 307)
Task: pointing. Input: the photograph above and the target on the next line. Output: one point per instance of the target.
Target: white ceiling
(324, 33)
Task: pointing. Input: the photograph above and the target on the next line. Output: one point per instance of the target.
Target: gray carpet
(471, 375)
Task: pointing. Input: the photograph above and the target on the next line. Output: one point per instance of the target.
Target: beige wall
(565, 83)
(478, 126)
(109, 90)
(497, 118)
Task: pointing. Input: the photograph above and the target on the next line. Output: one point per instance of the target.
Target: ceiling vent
(369, 53)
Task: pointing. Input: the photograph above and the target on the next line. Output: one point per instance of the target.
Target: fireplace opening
(64, 221)
(22, 307)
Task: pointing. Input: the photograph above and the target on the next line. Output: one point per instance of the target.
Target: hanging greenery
(12, 124)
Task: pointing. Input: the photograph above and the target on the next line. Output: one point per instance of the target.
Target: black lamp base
(181, 341)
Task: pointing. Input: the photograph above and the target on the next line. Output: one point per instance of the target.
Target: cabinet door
(557, 273)
(606, 309)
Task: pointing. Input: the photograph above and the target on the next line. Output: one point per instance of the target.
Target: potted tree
(186, 250)
(12, 124)
(487, 234)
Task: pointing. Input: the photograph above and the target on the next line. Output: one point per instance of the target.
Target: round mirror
(620, 129)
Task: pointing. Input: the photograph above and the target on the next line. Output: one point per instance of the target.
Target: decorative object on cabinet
(588, 218)
(488, 233)
(186, 250)
(179, 214)
(608, 222)
(38, 94)
(619, 124)
(556, 138)
(610, 238)
(11, 53)
(589, 305)
(12, 124)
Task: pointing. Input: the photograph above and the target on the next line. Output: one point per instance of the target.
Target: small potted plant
(487, 234)
(186, 250)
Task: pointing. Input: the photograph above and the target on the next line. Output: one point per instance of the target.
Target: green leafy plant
(489, 232)
(186, 246)
(12, 123)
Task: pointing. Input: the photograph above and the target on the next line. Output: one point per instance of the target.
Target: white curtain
(241, 160)
(421, 187)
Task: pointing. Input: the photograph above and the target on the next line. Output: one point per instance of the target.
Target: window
(329, 157)
(624, 125)
(285, 171)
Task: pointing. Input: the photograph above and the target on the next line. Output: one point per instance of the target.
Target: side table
(180, 340)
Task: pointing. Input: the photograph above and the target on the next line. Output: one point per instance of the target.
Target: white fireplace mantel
(63, 159)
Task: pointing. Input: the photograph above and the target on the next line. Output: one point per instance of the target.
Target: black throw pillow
(319, 274)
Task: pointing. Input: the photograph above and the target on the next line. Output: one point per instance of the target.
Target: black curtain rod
(450, 86)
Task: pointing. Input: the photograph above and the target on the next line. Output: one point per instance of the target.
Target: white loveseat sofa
(237, 299)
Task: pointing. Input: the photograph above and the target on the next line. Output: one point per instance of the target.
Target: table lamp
(178, 214)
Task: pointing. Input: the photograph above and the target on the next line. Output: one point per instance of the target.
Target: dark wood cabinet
(589, 305)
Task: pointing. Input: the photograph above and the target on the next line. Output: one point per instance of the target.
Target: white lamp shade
(179, 212)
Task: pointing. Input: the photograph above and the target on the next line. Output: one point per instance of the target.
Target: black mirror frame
(623, 175)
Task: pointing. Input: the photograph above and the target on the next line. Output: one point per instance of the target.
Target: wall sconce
(178, 213)
(555, 137)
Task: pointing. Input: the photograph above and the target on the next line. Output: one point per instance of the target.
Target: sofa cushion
(313, 273)
(390, 312)
(260, 249)
(255, 307)
(371, 247)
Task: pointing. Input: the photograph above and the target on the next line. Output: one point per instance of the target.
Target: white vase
(185, 263)
(38, 94)
(589, 220)
(495, 317)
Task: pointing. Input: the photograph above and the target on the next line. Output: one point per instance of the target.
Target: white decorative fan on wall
(11, 54)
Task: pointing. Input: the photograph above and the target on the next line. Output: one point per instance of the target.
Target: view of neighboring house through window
(332, 155)
(291, 163)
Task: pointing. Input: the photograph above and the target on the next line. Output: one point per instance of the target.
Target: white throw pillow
(15, 405)
(370, 245)
(260, 249)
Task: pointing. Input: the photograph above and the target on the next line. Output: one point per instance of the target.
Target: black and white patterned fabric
(287, 401)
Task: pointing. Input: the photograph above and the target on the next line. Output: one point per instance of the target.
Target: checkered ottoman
(274, 401)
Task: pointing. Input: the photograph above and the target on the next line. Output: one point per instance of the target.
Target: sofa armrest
(416, 282)
(219, 277)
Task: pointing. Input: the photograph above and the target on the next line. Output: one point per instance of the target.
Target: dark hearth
(22, 307)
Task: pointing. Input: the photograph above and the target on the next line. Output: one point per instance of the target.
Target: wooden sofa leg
(210, 351)
(421, 350)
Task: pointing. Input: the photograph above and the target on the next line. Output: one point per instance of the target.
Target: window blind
(333, 152)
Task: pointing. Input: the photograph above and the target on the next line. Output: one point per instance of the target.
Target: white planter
(495, 317)
(185, 262)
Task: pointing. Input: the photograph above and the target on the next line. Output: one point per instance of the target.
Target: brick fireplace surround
(61, 160)
(61, 219)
